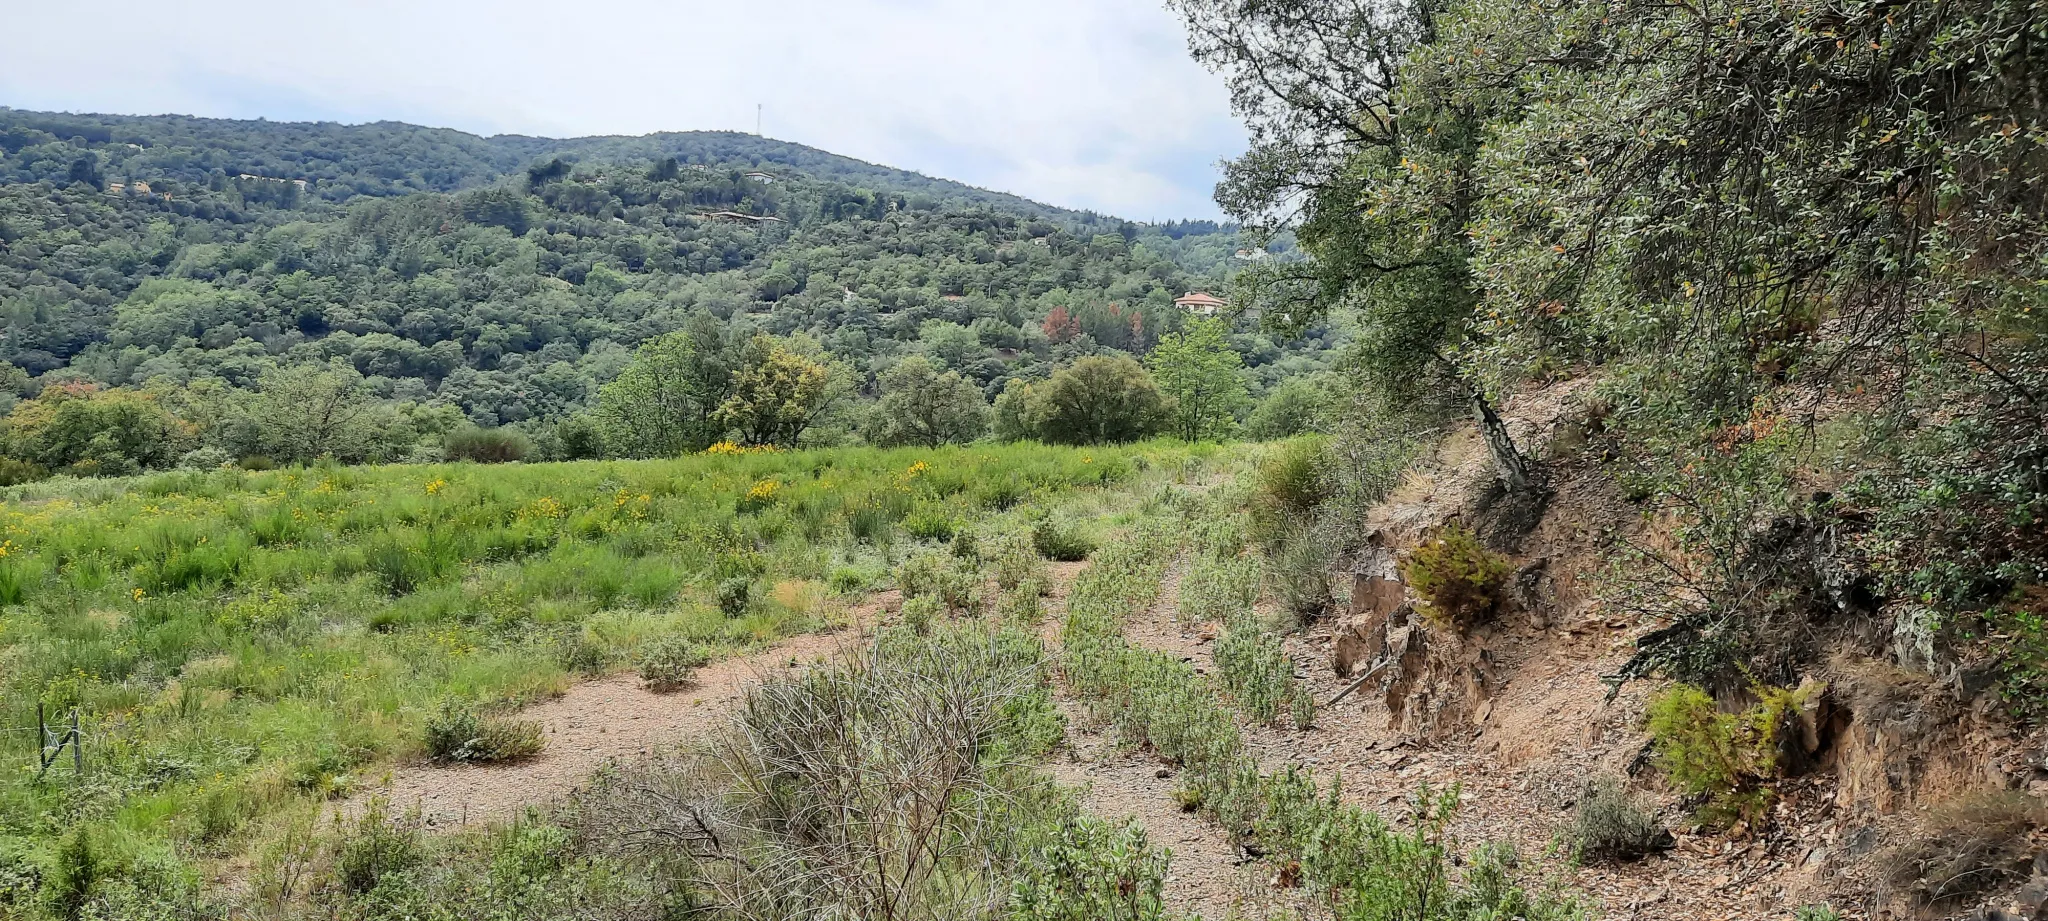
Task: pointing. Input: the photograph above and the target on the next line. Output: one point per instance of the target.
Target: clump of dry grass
(1965, 848)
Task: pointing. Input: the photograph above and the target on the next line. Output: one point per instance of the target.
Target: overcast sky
(1082, 103)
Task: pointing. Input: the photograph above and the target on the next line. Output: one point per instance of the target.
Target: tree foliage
(1098, 400)
(1197, 369)
(922, 406)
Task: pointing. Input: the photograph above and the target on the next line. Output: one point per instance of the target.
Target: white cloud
(1084, 103)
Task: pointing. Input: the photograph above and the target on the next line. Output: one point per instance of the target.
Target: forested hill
(340, 162)
(506, 280)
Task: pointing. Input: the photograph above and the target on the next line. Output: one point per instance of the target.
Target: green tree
(306, 412)
(1011, 419)
(1295, 407)
(1376, 179)
(95, 431)
(922, 406)
(777, 393)
(1198, 370)
(1098, 400)
(664, 401)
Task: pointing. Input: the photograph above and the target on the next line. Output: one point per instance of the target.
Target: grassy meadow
(245, 643)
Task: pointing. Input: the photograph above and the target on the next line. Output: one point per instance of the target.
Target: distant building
(1201, 302)
(139, 187)
(116, 188)
(761, 177)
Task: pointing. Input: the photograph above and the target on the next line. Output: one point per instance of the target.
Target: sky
(1081, 103)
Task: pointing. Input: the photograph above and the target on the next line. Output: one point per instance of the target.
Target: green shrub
(1022, 605)
(1090, 870)
(257, 462)
(486, 446)
(1458, 578)
(20, 877)
(670, 661)
(930, 522)
(868, 522)
(1299, 567)
(955, 583)
(14, 472)
(1295, 476)
(1015, 561)
(1255, 668)
(1219, 589)
(1816, 912)
(1064, 542)
(999, 494)
(849, 579)
(966, 546)
(1609, 824)
(1727, 757)
(735, 595)
(459, 732)
(921, 612)
(583, 656)
(74, 875)
(18, 577)
(375, 847)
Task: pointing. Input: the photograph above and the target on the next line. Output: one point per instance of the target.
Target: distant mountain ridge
(390, 158)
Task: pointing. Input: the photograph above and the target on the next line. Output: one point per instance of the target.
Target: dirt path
(1208, 876)
(593, 723)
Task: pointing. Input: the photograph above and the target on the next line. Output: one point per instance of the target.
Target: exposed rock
(1377, 603)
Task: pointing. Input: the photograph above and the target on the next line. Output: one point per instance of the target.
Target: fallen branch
(1358, 683)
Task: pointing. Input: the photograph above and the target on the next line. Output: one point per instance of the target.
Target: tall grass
(240, 642)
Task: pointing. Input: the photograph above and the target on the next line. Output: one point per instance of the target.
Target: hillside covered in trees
(427, 279)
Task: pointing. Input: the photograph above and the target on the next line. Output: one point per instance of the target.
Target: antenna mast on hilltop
(757, 119)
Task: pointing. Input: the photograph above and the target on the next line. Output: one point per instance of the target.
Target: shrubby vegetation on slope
(1800, 246)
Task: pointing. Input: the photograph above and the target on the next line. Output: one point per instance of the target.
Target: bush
(14, 472)
(1088, 869)
(584, 656)
(1965, 848)
(1015, 561)
(460, 733)
(1254, 667)
(1300, 566)
(930, 522)
(670, 662)
(1609, 824)
(1096, 400)
(257, 462)
(1726, 757)
(1459, 580)
(1063, 542)
(376, 847)
(849, 579)
(1296, 476)
(1295, 407)
(735, 594)
(207, 458)
(486, 446)
(1219, 589)
(920, 613)
(74, 875)
(937, 574)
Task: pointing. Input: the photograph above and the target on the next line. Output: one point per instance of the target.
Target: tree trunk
(1514, 469)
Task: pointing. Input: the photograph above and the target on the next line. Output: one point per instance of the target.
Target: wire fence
(51, 741)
